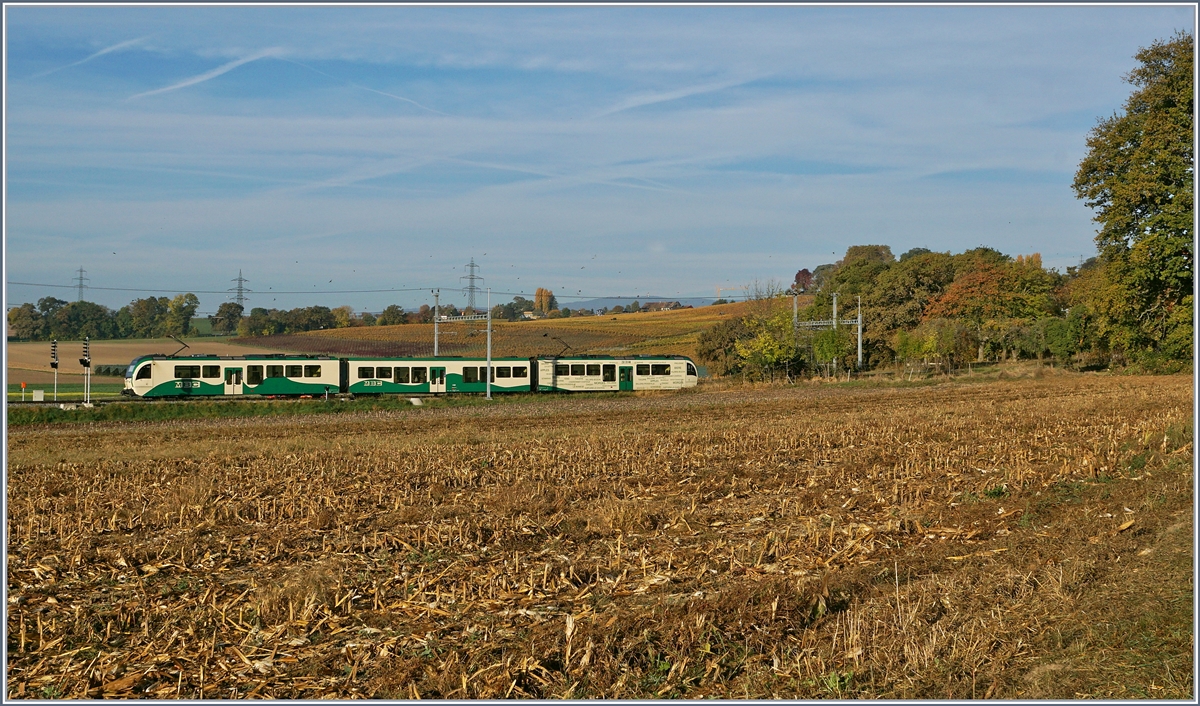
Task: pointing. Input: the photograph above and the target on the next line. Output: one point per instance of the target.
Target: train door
(533, 375)
(626, 379)
(233, 381)
(437, 379)
(343, 375)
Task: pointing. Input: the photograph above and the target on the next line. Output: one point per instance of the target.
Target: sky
(593, 150)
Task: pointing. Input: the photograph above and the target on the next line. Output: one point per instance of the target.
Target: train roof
(301, 356)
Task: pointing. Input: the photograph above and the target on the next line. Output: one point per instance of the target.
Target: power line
(221, 291)
(352, 291)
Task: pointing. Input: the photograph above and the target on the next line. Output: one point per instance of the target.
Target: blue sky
(596, 151)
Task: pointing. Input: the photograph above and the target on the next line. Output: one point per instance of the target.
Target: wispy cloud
(107, 50)
(643, 99)
(372, 90)
(222, 69)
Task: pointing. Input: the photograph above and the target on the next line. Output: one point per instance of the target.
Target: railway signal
(86, 362)
(54, 365)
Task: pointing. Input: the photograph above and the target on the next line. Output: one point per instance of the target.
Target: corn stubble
(738, 543)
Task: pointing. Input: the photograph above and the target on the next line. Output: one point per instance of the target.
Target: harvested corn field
(1017, 539)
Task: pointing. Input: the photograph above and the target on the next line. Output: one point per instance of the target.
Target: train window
(187, 371)
(274, 371)
(470, 374)
(577, 368)
(520, 371)
(144, 373)
(254, 374)
(293, 371)
(364, 373)
(312, 371)
(418, 375)
(561, 370)
(402, 375)
(660, 369)
(504, 372)
(610, 373)
(593, 369)
(691, 370)
(483, 373)
(211, 371)
(643, 369)
(382, 372)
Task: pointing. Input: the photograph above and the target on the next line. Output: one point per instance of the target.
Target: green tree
(79, 319)
(180, 310)
(899, 297)
(49, 305)
(227, 318)
(1059, 339)
(392, 316)
(258, 323)
(717, 346)
(833, 344)
(769, 344)
(1138, 176)
(947, 342)
(26, 322)
(148, 316)
(124, 322)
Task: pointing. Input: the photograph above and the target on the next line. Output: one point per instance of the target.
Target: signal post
(86, 362)
(54, 365)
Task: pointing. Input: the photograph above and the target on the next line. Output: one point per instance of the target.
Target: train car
(294, 375)
(604, 373)
(379, 376)
(212, 375)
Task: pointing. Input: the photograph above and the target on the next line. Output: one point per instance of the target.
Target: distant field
(652, 333)
(30, 362)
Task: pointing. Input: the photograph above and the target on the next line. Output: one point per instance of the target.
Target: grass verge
(143, 411)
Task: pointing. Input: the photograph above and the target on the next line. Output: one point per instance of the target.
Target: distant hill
(624, 301)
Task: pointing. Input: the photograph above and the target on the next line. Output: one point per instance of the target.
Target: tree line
(151, 317)
(1131, 304)
(157, 317)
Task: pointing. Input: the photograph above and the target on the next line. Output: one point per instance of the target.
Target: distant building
(661, 306)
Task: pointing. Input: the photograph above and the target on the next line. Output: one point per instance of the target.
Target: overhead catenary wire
(579, 296)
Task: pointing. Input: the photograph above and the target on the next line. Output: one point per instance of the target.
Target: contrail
(650, 99)
(200, 78)
(102, 52)
(372, 90)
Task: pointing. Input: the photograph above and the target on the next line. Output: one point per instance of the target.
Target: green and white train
(282, 375)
